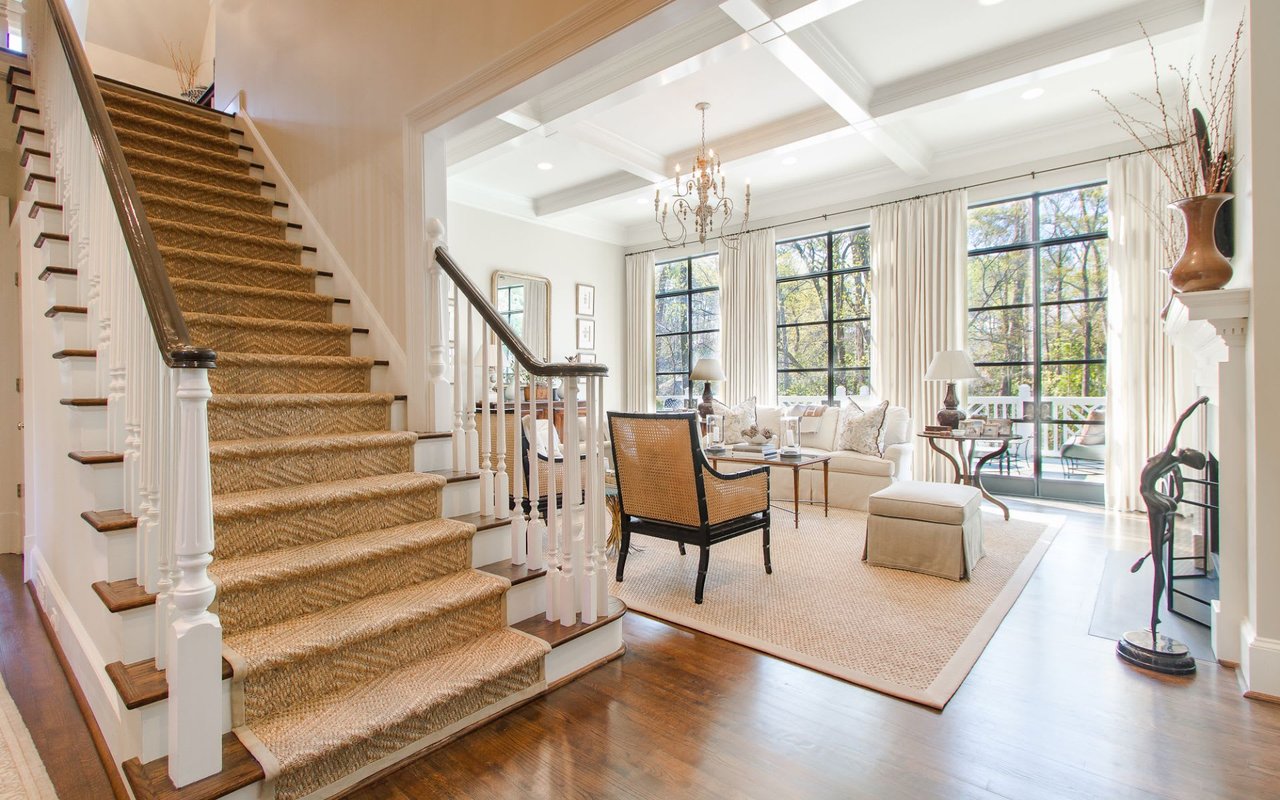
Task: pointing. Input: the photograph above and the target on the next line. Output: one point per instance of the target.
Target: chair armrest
(735, 495)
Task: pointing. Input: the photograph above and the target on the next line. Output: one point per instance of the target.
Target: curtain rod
(1032, 174)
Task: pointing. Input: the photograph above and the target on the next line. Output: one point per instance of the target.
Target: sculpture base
(1164, 655)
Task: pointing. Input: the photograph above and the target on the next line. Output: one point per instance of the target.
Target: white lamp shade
(951, 365)
(707, 369)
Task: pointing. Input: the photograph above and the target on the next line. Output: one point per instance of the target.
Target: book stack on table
(762, 450)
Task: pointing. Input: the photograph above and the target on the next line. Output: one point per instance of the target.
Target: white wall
(483, 242)
(10, 400)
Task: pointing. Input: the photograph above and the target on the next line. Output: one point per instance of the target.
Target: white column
(1230, 610)
(195, 641)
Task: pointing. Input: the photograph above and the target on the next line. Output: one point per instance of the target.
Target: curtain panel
(918, 268)
(1145, 238)
(748, 295)
(639, 379)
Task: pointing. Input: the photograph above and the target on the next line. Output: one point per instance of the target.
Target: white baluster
(469, 418)
(501, 481)
(195, 641)
(168, 571)
(519, 523)
(486, 427)
(603, 518)
(537, 530)
(587, 584)
(552, 513)
(459, 431)
(571, 549)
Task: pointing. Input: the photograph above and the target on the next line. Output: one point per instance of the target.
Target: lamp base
(705, 409)
(951, 415)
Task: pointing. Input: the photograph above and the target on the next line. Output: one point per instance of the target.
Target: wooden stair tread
(48, 272)
(140, 683)
(72, 352)
(61, 309)
(15, 89)
(35, 176)
(14, 69)
(96, 457)
(516, 573)
(51, 237)
(556, 634)
(84, 402)
(41, 205)
(453, 476)
(482, 522)
(123, 595)
(150, 781)
(113, 519)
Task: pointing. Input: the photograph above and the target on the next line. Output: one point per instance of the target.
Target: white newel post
(587, 588)
(436, 408)
(571, 549)
(195, 639)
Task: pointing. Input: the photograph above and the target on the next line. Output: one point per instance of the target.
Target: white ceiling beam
(486, 142)
(589, 192)
(517, 207)
(633, 158)
(1059, 50)
(790, 133)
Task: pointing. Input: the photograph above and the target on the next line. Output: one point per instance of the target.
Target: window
(686, 322)
(511, 309)
(824, 316)
(1037, 331)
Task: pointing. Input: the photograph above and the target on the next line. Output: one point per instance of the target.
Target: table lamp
(951, 366)
(707, 369)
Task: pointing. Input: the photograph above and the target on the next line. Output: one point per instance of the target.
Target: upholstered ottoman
(934, 528)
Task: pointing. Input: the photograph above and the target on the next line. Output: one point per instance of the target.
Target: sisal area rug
(908, 635)
(22, 774)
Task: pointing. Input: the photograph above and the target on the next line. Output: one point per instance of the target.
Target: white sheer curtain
(536, 307)
(1140, 359)
(639, 380)
(918, 264)
(748, 294)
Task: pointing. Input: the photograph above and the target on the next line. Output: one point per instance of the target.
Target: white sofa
(854, 477)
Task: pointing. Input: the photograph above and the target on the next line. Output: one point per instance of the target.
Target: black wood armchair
(666, 489)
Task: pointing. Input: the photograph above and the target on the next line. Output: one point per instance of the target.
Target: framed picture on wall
(586, 300)
(586, 334)
(586, 358)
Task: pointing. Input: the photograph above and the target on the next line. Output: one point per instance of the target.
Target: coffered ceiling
(854, 97)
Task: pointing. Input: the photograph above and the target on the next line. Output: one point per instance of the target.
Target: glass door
(1037, 288)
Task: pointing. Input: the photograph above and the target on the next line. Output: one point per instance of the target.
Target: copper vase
(1202, 267)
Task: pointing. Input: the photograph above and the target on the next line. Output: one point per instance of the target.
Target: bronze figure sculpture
(1161, 492)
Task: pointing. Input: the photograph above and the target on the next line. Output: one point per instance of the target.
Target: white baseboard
(1259, 662)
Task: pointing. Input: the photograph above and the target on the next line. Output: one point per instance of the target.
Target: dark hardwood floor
(1048, 712)
(43, 695)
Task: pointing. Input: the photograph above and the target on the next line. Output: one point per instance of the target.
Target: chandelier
(701, 196)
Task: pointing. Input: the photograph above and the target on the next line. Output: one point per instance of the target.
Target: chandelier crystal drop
(702, 197)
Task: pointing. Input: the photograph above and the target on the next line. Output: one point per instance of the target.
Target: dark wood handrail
(157, 293)
(533, 364)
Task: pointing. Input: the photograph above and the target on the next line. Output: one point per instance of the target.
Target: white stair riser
(399, 412)
(29, 119)
(50, 219)
(462, 498)
(63, 290)
(44, 191)
(120, 549)
(572, 656)
(39, 164)
(79, 376)
(33, 140)
(104, 481)
(136, 632)
(491, 546)
(430, 454)
(71, 331)
(526, 599)
(90, 424)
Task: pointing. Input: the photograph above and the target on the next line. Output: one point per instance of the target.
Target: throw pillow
(860, 430)
(736, 419)
(1097, 433)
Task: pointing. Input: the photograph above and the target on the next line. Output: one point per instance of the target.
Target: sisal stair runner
(351, 615)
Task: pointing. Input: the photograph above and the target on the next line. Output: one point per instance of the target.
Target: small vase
(1202, 267)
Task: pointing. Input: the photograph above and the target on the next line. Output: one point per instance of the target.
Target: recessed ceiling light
(989, 2)
(545, 165)
(789, 160)
(641, 201)
(1032, 94)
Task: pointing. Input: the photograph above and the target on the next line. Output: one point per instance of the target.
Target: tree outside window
(686, 322)
(824, 316)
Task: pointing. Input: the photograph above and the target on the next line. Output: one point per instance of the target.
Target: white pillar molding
(1212, 328)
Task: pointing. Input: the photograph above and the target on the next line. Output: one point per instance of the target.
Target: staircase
(360, 624)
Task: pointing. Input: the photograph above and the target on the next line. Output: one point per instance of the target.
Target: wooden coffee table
(794, 462)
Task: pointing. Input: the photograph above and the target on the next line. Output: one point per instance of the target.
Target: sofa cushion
(736, 419)
(897, 426)
(860, 430)
(944, 503)
(860, 463)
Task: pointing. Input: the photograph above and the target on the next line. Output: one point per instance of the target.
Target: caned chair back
(656, 466)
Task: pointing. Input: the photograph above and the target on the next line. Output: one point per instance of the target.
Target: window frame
(687, 292)
(829, 277)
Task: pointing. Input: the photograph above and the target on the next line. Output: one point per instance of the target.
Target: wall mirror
(524, 301)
